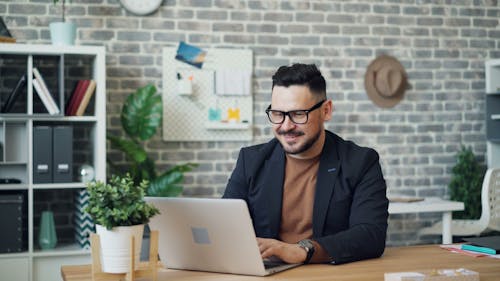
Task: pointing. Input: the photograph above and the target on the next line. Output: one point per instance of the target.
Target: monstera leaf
(140, 118)
(167, 184)
(142, 113)
(132, 150)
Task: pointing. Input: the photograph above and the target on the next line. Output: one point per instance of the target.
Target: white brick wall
(442, 44)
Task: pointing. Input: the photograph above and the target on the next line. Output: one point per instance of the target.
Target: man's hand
(289, 253)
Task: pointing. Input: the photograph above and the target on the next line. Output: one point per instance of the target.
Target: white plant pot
(63, 33)
(115, 247)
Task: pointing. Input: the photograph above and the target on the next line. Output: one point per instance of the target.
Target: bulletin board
(193, 111)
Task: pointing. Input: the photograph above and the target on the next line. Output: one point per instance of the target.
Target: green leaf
(466, 184)
(166, 185)
(132, 149)
(142, 113)
(119, 203)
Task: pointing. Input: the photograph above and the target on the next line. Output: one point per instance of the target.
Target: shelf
(46, 117)
(14, 255)
(63, 67)
(65, 250)
(226, 126)
(12, 163)
(17, 186)
(495, 116)
(75, 185)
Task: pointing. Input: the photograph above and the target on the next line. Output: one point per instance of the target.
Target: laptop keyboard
(270, 264)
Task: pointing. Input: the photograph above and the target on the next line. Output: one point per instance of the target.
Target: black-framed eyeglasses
(296, 116)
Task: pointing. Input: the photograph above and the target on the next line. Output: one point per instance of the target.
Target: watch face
(306, 244)
(141, 7)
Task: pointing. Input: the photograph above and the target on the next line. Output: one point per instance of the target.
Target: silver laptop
(209, 235)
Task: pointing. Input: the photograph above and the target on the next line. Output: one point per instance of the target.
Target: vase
(84, 225)
(115, 247)
(63, 33)
(47, 238)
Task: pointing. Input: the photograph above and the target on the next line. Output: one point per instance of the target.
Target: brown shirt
(298, 202)
(298, 199)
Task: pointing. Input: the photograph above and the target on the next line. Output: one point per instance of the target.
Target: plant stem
(63, 11)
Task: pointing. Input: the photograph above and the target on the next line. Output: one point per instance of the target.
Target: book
(44, 93)
(44, 98)
(14, 94)
(479, 249)
(487, 244)
(89, 92)
(485, 241)
(80, 88)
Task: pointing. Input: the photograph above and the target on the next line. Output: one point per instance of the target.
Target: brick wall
(443, 45)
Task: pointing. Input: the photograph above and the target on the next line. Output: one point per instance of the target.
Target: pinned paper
(232, 82)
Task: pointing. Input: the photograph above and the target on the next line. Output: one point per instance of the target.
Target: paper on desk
(460, 274)
(456, 248)
(398, 276)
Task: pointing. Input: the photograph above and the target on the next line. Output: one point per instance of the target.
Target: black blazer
(350, 204)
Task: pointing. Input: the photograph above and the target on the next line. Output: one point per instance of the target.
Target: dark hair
(301, 74)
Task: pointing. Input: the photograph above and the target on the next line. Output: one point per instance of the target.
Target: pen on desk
(479, 249)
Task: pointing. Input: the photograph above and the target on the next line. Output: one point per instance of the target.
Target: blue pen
(479, 249)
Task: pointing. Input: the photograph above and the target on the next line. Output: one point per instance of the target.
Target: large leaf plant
(140, 118)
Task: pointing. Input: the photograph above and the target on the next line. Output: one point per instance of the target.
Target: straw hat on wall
(385, 81)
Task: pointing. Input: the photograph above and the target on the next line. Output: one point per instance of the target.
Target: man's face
(299, 139)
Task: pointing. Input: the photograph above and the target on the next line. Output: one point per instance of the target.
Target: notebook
(209, 235)
(491, 242)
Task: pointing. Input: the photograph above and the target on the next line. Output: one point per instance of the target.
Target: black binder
(14, 94)
(62, 137)
(11, 236)
(42, 154)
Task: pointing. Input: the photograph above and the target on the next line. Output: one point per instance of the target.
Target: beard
(288, 147)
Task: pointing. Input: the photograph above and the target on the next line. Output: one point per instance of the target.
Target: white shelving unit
(65, 66)
(492, 70)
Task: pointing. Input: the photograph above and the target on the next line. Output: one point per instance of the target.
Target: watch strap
(308, 246)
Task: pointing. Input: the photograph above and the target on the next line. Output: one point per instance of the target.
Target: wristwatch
(308, 246)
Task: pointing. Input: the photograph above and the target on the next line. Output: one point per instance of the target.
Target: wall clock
(141, 7)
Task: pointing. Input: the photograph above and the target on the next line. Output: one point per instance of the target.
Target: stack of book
(76, 105)
(487, 244)
(44, 93)
(80, 98)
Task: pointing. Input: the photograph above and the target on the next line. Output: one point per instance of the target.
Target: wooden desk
(430, 205)
(394, 260)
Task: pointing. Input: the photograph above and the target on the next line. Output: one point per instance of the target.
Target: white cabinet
(493, 112)
(61, 68)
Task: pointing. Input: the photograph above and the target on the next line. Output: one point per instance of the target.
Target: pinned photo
(190, 54)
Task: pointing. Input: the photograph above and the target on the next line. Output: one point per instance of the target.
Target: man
(312, 196)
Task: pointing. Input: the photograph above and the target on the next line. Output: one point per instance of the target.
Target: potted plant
(466, 183)
(62, 32)
(119, 211)
(140, 118)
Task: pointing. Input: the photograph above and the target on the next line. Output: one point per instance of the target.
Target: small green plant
(63, 9)
(119, 202)
(140, 118)
(466, 183)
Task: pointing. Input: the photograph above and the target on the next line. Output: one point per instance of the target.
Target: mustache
(290, 133)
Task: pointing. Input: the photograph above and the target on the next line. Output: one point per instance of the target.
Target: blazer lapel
(273, 188)
(327, 174)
